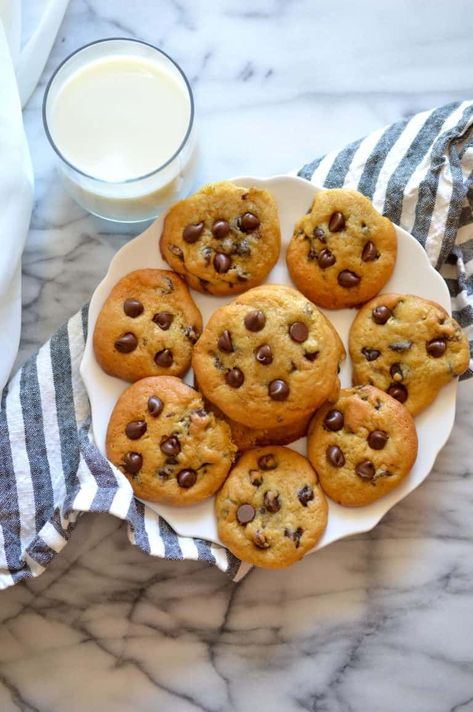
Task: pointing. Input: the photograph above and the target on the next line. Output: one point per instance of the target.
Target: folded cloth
(418, 172)
(20, 71)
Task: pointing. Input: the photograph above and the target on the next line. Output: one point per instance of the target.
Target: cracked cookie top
(362, 446)
(147, 326)
(224, 239)
(271, 511)
(407, 346)
(268, 358)
(167, 444)
(343, 251)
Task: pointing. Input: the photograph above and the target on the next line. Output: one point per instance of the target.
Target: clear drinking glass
(136, 199)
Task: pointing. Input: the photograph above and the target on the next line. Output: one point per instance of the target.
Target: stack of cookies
(266, 368)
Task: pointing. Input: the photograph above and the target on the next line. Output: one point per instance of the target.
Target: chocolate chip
(311, 356)
(398, 391)
(294, 535)
(267, 462)
(175, 250)
(370, 253)
(136, 429)
(225, 343)
(164, 358)
(334, 420)
(436, 347)
(170, 445)
(155, 406)
(381, 314)
(200, 413)
(401, 345)
(255, 320)
(222, 263)
(255, 478)
(132, 462)
(220, 229)
(186, 478)
(335, 456)
(305, 495)
(245, 513)
(206, 253)
(271, 501)
(264, 355)
(348, 279)
(165, 472)
(396, 372)
(336, 222)
(326, 259)
(234, 378)
(163, 320)
(133, 308)
(366, 470)
(191, 233)
(377, 439)
(126, 343)
(320, 233)
(278, 390)
(312, 254)
(260, 540)
(192, 334)
(242, 248)
(249, 222)
(298, 332)
(370, 354)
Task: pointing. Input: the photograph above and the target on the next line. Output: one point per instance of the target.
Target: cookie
(362, 446)
(147, 326)
(271, 511)
(343, 251)
(267, 359)
(407, 346)
(224, 239)
(167, 444)
(246, 438)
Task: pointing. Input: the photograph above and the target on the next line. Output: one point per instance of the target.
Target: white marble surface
(379, 622)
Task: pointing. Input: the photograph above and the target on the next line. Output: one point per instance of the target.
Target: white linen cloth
(19, 74)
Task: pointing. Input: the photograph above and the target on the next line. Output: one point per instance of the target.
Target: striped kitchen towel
(418, 172)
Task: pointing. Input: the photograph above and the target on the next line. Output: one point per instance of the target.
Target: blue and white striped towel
(418, 172)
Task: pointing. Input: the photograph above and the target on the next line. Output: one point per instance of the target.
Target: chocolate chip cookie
(343, 251)
(407, 346)
(246, 438)
(167, 444)
(270, 511)
(362, 446)
(269, 358)
(224, 239)
(147, 326)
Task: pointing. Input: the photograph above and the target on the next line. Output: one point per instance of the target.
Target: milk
(120, 118)
(121, 121)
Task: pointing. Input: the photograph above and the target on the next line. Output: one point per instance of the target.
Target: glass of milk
(119, 114)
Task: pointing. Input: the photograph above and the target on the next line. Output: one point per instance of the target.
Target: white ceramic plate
(413, 274)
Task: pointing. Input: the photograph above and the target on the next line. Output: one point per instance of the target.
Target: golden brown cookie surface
(224, 239)
(147, 326)
(407, 346)
(362, 446)
(343, 251)
(168, 446)
(268, 358)
(271, 511)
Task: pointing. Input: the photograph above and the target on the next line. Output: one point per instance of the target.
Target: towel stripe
(35, 443)
(10, 520)
(372, 167)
